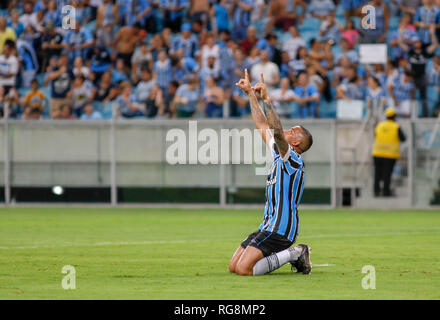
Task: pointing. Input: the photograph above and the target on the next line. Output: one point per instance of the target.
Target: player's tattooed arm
(256, 111)
(273, 120)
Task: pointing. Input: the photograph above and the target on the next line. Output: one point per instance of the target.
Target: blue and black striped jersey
(284, 188)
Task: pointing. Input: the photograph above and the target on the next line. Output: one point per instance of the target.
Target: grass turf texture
(184, 254)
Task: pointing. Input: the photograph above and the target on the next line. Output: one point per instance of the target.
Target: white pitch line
(323, 265)
(156, 242)
(102, 244)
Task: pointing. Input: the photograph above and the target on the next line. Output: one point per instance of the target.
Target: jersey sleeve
(291, 161)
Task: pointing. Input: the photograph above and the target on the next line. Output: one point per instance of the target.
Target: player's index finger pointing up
(246, 74)
(262, 79)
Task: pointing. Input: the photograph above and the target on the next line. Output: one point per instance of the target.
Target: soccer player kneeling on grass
(270, 247)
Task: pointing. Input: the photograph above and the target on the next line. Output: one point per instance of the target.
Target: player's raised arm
(272, 118)
(257, 113)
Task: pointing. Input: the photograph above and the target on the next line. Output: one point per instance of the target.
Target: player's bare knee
(232, 266)
(243, 270)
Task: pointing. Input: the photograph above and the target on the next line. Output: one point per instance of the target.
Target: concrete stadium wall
(78, 154)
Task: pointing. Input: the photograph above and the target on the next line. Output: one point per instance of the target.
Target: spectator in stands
(12, 100)
(351, 86)
(298, 64)
(105, 90)
(154, 103)
(187, 99)
(269, 69)
(53, 15)
(90, 113)
(292, 44)
(173, 11)
(127, 105)
(120, 72)
(250, 41)
(241, 18)
(317, 80)
(163, 72)
(199, 10)
(168, 97)
(347, 52)
(273, 49)
(64, 113)
(15, 24)
(80, 94)
(104, 37)
(32, 114)
(210, 49)
(80, 69)
(258, 18)
(417, 58)
(213, 97)
(183, 68)
(211, 70)
(402, 91)
(282, 14)
(330, 29)
(283, 98)
(253, 58)
(35, 99)
(141, 60)
(125, 43)
(379, 73)
(350, 33)
(60, 80)
(426, 16)
(321, 53)
(186, 45)
(28, 62)
(220, 16)
(320, 9)
(306, 97)
(235, 69)
(401, 38)
(409, 7)
(144, 87)
(100, 61)
(78, 42)
(8, 66)
(339, 72)
(376, 98)
(6, 33)
(351, 7)
(26, 16)
(51, 44)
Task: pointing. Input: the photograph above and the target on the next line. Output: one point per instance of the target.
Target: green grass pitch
(184, 254)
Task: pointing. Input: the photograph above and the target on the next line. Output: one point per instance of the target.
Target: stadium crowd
(182, 58)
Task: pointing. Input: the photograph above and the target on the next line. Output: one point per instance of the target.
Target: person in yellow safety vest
(386, 150)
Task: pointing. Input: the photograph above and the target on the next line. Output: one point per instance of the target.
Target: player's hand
(245, 83)
(261, 88)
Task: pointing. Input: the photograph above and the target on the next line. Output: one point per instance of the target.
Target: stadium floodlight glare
(58, 190)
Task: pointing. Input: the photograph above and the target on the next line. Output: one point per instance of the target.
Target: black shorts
(267, 242)
(126, 57)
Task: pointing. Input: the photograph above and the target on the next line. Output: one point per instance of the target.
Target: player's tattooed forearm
(274, 122)
(272, 118)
